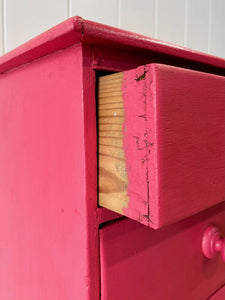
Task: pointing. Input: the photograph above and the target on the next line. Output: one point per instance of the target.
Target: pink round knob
(212, 243)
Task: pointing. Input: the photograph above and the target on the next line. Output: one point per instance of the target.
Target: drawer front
(138, 262)
(219, 295)
(161, 143)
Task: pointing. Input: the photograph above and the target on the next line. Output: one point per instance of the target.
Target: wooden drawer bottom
(141, 263)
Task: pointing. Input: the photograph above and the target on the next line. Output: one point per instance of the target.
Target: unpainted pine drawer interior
(113, 178)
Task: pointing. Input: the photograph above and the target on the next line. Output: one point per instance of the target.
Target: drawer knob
(212, 243)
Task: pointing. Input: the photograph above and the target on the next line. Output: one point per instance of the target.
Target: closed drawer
(138, 262)
(219, 295)
(161, 143)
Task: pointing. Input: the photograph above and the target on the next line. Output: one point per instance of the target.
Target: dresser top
(77, 30)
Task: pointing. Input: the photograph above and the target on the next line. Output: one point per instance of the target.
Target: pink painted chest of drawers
(67, 131)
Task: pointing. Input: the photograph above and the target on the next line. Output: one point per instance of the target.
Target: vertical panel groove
(210, 22)
(4, 26)
(156, 19)
(69, 8)
(119, 13)
(185, 23)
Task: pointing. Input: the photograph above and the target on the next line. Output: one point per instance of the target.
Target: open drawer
(161, 142)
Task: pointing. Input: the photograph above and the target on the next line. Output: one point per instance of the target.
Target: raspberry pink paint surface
(45, 186)
(160, 264)
(140, 144)
(174, 141)
(49, 218)
(76, 29)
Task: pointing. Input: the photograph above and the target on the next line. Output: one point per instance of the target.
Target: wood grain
(161, 140)
(112, 176)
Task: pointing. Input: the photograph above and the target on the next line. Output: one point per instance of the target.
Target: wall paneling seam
(3, 26)
(185, 23)
(156, 19)
(69, 8)
(209, 26)
(119, 14)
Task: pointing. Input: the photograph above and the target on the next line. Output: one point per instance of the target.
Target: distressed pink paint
(160, 264)
(140, 146)
(49, 219)
(174, 141)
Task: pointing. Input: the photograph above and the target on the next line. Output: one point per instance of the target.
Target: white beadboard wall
(197, 24)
